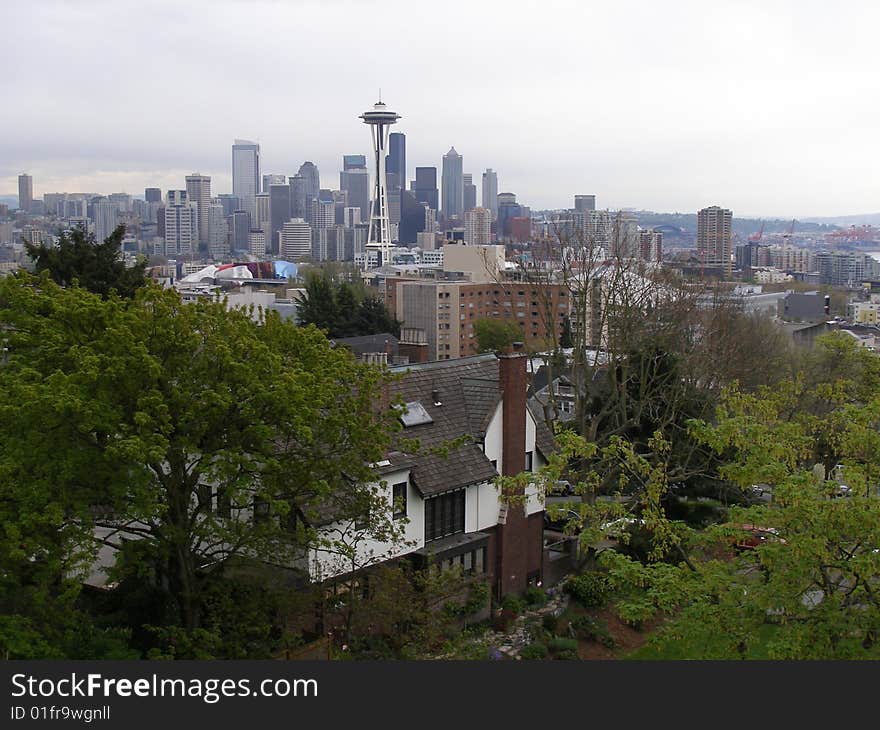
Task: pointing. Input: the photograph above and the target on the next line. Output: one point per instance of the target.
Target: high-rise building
(714, 238)
(230, 203)
(153, 195)
(181, 225)
(424, 187)
(323, 214)
(351, 217)
(257, 242)
(355, 180)
(508, 209)
(651, 246)
(296, 239)
(395, 161)
(198, 191)
(490, 191)
(478, 227)
(625, 240)
(273, 180)
(25, 192)
(310, 186)
(246, 173)
(263, 214)
(218, 231)
(470, 192)
(239, 230)
(453, 185)
(105, 214)
(584, 203)
(279, 213)
(379, 119)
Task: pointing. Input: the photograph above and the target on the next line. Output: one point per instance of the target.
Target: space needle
(380, 118)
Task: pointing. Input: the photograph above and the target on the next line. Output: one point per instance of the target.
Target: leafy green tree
(205, 438)
(97, 266)
(496, 335)
(344, 309)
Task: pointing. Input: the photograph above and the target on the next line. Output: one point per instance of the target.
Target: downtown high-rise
(452, 185)
(490, 191)
(25, 192)
(246, 174)
(714, 238)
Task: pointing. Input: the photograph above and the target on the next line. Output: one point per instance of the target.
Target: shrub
(549, 622)
(569, 654)
(559, 643)
(590, 590)
(512, 603)
(535, 650)
(592, 629)
(535, 596)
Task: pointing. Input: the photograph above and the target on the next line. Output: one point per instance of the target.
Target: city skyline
(644, 130)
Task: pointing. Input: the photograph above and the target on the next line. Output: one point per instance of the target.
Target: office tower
(426, 240)
(25, 192)
(239, 230)
(713, 238)
(584, 203)
(355, 181)
(424, 187)
(311, 186)
(262, 208)
(198, 191)
(395, 161)
(218, 231)
(273, 180)
(153, 195)
(181, 225)
(105, 214)
(351, 217)
(508, 209)
(379, 119)
(279, 213)
(122, 201)
(490, 191)
(230, 203)
(478, 227)
(296, 239)
(470, 192)
(256, 242)
(453, 185)
(298, 208)
(246, 173)
(323, 214)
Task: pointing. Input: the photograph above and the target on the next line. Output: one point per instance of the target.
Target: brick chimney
(513, 546)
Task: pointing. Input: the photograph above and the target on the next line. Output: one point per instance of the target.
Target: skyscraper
(25, 192)
(490, 191)
(181, 224)
(279, 213)
(311, 186)
(453, 185)
(470, 192)
(584, 203)
(218, 231)
(246, 173)
(105, 213)
(263, 214)
(198, 191)
(153, 195)
(355, 180)
(395, 161)
(379, 119)
(713, 238)
(478, 227)
(272, 179)
(425, 187)
(296, 239)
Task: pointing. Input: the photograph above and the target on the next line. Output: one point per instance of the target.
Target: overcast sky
(769, 108)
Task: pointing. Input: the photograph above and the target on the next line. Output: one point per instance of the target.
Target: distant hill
(864, 219)
(741, 226)
(10, 200)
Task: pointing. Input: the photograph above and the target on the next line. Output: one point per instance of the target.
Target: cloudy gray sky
(766, 107)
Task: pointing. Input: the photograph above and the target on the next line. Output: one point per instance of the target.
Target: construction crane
(756, 237)
(787, 236)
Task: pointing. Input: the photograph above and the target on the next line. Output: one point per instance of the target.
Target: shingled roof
(468, 393)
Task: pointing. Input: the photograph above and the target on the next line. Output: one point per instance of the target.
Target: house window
(399, 496)
(444, 515)
(495, 465)
(529, 461)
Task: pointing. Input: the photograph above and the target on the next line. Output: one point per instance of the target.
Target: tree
(344, 309)
(80, 259)
(495, 335)
(206, 439)
(808, 589)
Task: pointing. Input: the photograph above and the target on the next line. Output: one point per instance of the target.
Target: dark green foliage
(79, 258)
(566, 337)
(344, 309)
(535, 597)
(592, 629)
(589, 589)
(513, 603)
(534, 650)
(549, 622)
(559, 643)
(496, 335)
